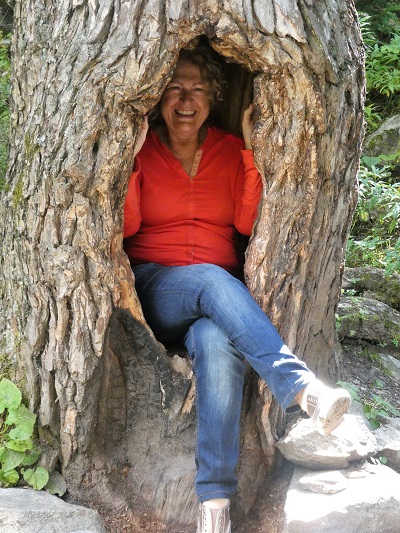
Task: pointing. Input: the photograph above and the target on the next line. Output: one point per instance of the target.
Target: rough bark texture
(114, 409)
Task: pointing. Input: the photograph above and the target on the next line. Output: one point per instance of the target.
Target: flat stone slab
(370, 502)
(31, 511)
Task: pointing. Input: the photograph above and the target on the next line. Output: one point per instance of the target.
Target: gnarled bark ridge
(114, 410)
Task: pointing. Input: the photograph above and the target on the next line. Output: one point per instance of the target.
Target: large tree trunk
(114, 408)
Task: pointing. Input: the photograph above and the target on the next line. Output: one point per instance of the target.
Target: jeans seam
(197, 396)
(216, 492)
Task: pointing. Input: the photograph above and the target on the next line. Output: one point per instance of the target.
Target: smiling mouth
(185, 113)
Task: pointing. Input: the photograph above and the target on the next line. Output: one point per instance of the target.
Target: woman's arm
(248, 122)
(248, 182)
(247, 194)
(132, 215)
(142, 136)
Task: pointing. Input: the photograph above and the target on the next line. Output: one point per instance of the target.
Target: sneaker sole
(334, 416)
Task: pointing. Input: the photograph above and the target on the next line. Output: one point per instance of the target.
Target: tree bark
(115, 410)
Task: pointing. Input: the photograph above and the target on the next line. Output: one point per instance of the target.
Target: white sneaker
(325, 406)
(213, 520)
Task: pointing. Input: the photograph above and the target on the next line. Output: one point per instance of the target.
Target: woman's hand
(142, 136)
(248, 122)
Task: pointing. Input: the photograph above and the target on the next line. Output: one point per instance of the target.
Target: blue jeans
(222, 326)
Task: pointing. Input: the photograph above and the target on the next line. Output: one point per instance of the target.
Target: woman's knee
(219, 368)
(211, 347)
(204, 335)
(217, 282)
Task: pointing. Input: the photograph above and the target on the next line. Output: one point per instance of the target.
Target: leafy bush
(383, 67)
(374, 239)
(372, 117)
(373, 407)
(17, 451)
(375, 232)
(383, 15)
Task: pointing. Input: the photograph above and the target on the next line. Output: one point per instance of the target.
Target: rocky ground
(269, 511)
(369, 377)
(360, 371)
(365, 326)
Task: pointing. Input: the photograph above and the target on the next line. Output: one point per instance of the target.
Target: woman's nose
(185, 94)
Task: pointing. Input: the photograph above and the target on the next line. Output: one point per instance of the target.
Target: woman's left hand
(248, 122)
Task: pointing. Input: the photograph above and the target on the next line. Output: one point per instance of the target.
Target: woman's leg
(219, 370)
(175, 297)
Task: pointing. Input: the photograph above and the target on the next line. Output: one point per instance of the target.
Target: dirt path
(267, 517)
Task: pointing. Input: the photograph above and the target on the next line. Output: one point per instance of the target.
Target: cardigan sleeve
(132, 215)
(247, 194)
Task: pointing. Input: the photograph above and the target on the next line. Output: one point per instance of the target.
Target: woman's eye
(198, 89)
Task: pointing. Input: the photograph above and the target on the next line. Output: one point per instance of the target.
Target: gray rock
(326, 482)
(389, 421)
(374, 281)
(392, 364)
(385, 140)
(370, 503)
(388, 442)
(30, 511)
(357, 408)
(369, 320)
(351, 441)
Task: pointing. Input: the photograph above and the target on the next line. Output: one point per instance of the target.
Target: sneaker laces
(219, 519)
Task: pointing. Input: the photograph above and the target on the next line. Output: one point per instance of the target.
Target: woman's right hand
(248, 122)
(142, 136)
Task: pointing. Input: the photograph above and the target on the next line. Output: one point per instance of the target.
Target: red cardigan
(174, 219)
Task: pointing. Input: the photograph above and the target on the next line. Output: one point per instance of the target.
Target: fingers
(248, 123)
(141, 136)
(249, 116)
(249, 111)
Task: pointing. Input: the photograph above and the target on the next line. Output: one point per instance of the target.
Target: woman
(193, 191)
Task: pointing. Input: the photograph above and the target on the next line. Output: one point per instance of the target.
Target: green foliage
(372, 117)
(383, 15)
(4, 113)
(374, 407)
(375, 232)
(37, 477)
(17, 450)
(383, 67)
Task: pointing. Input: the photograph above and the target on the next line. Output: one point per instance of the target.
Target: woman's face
(185, 104)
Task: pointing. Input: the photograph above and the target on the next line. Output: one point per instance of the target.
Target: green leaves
(23, 421)
(8, 479)
(16, 446)
(10, 395)
(383, 67)
(376, 226)
(11, 459)
(37, 477)
(373, 407)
